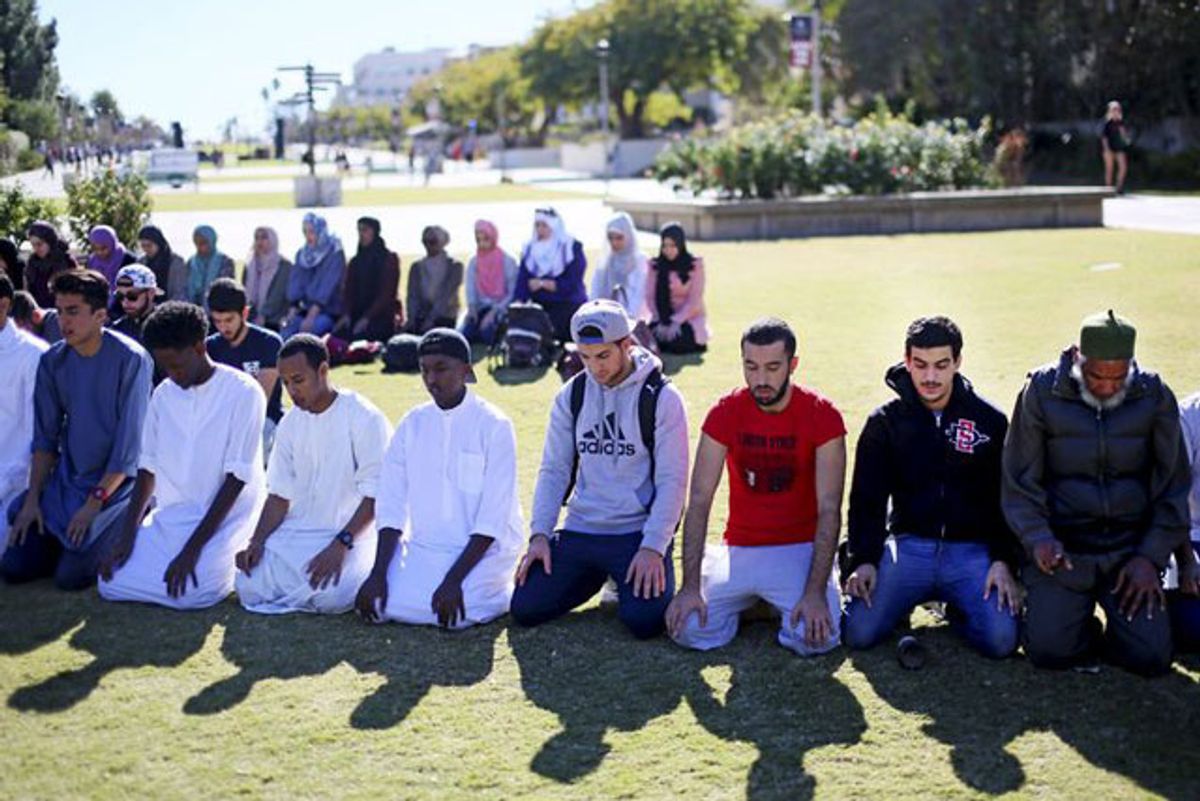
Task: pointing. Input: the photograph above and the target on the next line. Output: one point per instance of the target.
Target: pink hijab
(489, 265)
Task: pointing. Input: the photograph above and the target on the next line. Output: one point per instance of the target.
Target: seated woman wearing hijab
(369, 302)
(206, 266)
(49, 258)
(315, 286)
(622, 274)
(491, 279)
(676, 278)
(266, 280)
(551, 273)
(107, 257)
(170, 271)
(433, 284)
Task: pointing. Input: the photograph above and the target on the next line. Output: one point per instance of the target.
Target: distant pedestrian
(1114, 144)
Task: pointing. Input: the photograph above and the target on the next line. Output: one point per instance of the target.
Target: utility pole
(314, 82)
(816, 51)
(602, 50)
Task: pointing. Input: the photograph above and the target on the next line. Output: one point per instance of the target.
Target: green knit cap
(1107, 337)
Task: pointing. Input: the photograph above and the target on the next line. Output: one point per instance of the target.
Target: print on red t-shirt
(771, 460)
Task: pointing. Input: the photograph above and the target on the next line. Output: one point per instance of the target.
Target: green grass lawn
(113, 701)
(187, 200)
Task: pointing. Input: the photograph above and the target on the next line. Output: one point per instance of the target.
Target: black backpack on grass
(528, 337)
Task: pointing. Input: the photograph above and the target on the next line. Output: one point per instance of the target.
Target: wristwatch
(100, 494)
(345, 538)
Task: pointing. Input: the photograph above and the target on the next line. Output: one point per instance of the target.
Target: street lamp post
(602, 50)
(816, 56)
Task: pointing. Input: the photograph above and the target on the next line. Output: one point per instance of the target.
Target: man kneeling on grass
(201, 462)
(785, 449)
(449, 522)
(315, 540)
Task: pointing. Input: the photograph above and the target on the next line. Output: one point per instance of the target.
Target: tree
(653, 44)
(27, 66)
(104, 105)
(480, 89)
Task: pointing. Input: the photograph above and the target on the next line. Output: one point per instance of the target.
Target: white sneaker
(608, 593)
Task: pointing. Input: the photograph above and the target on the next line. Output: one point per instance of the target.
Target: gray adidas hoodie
(614, 491)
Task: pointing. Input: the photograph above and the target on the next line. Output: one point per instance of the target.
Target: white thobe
(323, 465)
(192, 439)
(19, 356)
(449, 474)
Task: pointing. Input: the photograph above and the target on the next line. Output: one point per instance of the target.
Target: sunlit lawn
(123, 701)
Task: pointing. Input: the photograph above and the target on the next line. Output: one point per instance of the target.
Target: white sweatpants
(163, 534)
(734, 578)
(279, 583)
(417, 571)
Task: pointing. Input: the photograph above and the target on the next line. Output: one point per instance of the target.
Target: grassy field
(111, 701)
(187, 200)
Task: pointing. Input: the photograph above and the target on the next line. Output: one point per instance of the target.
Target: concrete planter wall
(524, 158)
(630, 156)
(309, 190)
(920, 212)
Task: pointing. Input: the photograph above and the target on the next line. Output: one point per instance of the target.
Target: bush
(30, 160)
(797, 155)
(18, 210)
(108, 199)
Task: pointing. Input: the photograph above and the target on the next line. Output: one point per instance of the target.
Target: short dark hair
(768, 331)
(226, 295)
(22, 306)
(312, 348)
(6, 286)
(933, 332)
(591, 332)
(88, 284)
(175, 325)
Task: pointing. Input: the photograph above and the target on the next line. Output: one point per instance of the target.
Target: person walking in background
(170, 270)
(676, 278)
(551, 271)
(266, 280)
(49, 258)
(491, 281)
(433, 284)
(622, 274)
(315, 285)
(369, 302)
(1114, 146)
(206, 266)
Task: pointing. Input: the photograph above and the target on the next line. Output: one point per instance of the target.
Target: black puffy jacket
(1098, 481)
(943, 479)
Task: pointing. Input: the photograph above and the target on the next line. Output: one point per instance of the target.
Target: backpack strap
(578, 385)
(647, 414)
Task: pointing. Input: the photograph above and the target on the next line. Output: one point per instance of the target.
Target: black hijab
(39, 271)
(368, 264)
(12, 263)
(681, 264)
(161, 263)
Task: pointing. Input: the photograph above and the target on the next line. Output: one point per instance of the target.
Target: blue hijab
(309, 256)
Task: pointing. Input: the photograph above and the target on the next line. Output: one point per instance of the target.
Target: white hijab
(547, 258)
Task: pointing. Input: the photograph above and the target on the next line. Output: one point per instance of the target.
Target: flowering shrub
(802, 155)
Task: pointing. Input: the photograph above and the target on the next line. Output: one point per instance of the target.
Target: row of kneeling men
(1020, 529)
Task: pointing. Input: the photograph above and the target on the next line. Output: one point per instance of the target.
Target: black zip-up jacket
(943, 480)
(1098, 481)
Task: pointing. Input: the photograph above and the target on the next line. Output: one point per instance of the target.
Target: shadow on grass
(1144, 729)
(164, 638)
(412, 659)
(673, 365)
(34, 614)
(596, 678)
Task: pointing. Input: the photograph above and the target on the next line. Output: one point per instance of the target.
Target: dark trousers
(682, 344)
(42, 555)
(1185, 618)
(579, 565)
(561, 312)
(1061, 632)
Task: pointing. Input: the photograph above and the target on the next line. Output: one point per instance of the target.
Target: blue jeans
(1185, 618)
(321, 326)
(579, 565)
(914, 570)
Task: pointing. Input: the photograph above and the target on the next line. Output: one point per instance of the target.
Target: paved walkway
(1180, 215)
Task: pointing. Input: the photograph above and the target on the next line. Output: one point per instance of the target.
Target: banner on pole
(801, 29)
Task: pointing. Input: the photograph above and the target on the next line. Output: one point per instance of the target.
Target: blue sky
(204, 62)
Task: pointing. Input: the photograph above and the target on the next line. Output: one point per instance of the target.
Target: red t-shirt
(772, 464)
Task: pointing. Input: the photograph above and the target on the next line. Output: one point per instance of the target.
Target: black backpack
(647, 414)
(400, 354)
(528, 337)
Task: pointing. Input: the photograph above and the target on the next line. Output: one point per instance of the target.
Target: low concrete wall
(322, 191)
(522, 158)
(630, 156)
(920, 212)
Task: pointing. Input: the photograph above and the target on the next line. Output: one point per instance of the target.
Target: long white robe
(323, 465)
(448, 475)
(192, 438)
(19, 355)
